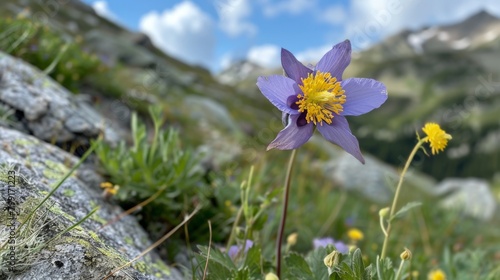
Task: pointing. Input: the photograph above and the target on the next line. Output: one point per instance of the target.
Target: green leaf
(242, 274)
(369, 272)
(297, 267)
(217, 256)
(385, 271)
(406, 208)
(344, 271)
(357, 264)
(252, 261)
(215, 270)
(316, 264)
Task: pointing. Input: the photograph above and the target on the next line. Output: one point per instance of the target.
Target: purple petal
(322, 242)
(293, 68)
(336, 60)
(341, 247)
(236, 249)
(338, 132)
(279, 89)
(362, 95)
(233, 251)
(248, 245)
(294, 135)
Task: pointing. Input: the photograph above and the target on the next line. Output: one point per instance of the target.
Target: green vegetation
(161, 165)
(41, 47)
(26, 239)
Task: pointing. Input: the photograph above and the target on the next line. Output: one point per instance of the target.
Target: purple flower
(319, 98)
(325, 241)
(235, 249)
(322, 242)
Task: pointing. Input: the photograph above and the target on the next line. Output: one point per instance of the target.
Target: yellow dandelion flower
(355, 234)
(437, 137)
(436, 274)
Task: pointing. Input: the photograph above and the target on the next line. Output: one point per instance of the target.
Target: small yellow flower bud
(332, 259)
(384, 212)
(109, 190)
(355, 234)
(406, 255)
(292, 239)
(106, 185)
(271, 276)
(352, 248)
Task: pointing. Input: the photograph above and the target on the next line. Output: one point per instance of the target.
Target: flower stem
(399, 270)
(281, 229)
(396, 196)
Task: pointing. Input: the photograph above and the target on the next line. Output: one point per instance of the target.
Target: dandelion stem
(400, 270)
(281, 229)
(396, 196)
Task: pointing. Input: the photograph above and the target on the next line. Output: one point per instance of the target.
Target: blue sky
(212, 33)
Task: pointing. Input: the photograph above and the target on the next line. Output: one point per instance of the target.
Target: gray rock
(373, 180)
(84, 252)
(472, 196)
(119, 48)
(46, 109)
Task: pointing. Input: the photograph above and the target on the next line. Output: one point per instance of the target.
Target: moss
(112, 254)
(98, 219)
(140, 266)
(128, 240)
(58, 211)
(93, 204)
(43, 193)
(114, 258)
(161, 266)
(94, 236)
(26, 207)
(55, 170)
(24, 142)
(68, 192)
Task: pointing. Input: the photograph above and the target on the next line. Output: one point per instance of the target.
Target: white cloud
(226, 60)
(375, 19)
(102, 9)
(265, 55)
(334, 15)
(184, 31)
(233, 17)
(274, 8)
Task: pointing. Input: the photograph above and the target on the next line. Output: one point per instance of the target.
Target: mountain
(479, 31)
(447, 74)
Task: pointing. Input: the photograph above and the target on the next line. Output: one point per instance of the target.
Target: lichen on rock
(84, 252)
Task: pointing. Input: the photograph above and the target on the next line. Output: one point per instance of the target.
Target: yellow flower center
(437, 137)
(437, 274)
(321, 96)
